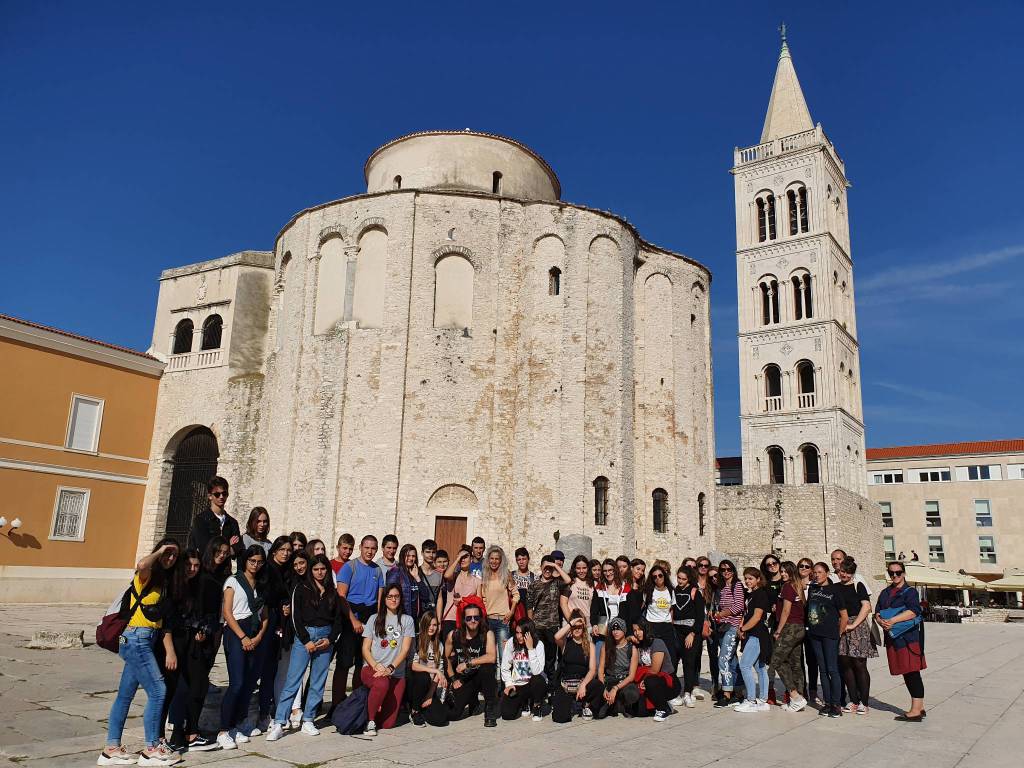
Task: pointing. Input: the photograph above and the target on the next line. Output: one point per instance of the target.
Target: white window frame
(938, 513)
(883, 505)
(929, 470)
(1015, 471)
(942, 550)
(56, 507)
(994, 472)
(75, 398)
(981, 553)
(877, 477)
(887, 552)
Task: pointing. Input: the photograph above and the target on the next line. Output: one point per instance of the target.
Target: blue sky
(139, 136)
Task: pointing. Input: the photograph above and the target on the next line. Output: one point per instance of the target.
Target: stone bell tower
(800, 399)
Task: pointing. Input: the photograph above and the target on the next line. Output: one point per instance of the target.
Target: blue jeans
(727, 658)
(140, 668)
(754, 672)
(243, 672)
(502, 632)
(826, 653)
(318, 662)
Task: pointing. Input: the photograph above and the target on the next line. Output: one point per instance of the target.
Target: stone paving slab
(54, 706)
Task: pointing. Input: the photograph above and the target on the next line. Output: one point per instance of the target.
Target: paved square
(54, 704)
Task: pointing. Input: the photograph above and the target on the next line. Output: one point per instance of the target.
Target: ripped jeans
(727, 663)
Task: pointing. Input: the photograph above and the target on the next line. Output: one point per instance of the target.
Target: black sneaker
(418, 720)
(835, 712)
(203, 744)
(177, 741)
(490, 722)
(722, 702)
(824, 711)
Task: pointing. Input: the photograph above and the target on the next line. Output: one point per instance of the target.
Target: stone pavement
(54, 705)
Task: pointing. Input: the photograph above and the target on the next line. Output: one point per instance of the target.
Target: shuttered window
(84, 423)
(69, 514)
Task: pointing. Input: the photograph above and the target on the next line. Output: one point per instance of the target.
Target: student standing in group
(298, 541)
(275, 582)
(577, 683)
(406, 574)
(616, 671)
(899, 603)
(257, 529)
(433, 577)
(837, 557)
(608, 597)
(688, 614)
(316, 548)
(522, 575)
(179, 623)
(655, 674)
(659, 597)
(771, 569)
(387, 639)
(805, 569)
(476, 562)
(789, 636)
(470, 654)
(296, 575)
(426, 673)
(728, 619)
(246, 626)
(855, 644)
(317, 615)
(579, 593)
(522, 674)
(461, 583)
(544, 609)
(361, 583)
(826, 622)
(706, 585)
(215, 521)
(625, 573)
(141, 606)
(344, 549)
(442, 596)
(635, 595)
(756, 642)
(388, 551)
(595, 572)
(500, 597)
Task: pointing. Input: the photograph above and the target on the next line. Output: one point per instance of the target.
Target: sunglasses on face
(471, 618)
(894, 574)
(705, 566)
(726, 569)
(219, 494)
(772, 565)
(804, 566)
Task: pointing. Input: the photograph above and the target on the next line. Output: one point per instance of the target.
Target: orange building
(76, 421)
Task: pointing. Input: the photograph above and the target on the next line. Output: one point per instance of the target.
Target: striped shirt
(731, 602)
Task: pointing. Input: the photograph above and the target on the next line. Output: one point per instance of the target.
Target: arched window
(370, 275)
(453, 292)
(660, 507)
(798, 218)
(772, 388)
(398, 182)
(332, 281)
(808, 301)
(769, 300)
(554, 281)
(771, 217)
(762, 221)
(776, 466)
(183, 337)
(700, 514)
(765, 217)
(802, 307)
(496, 182)
(810, 459)
(805, 218)
(805, 384)
(601, 500)
(212, 328)
(794, 214)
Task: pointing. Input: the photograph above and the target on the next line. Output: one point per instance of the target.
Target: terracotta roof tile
(42, 327)
(946, 449)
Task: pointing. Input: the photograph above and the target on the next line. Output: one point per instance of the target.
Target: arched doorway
(451, 506)
(194, 463)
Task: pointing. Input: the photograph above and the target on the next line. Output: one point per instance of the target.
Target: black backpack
(350, 716)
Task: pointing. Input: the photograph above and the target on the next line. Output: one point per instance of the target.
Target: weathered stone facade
(440, 348)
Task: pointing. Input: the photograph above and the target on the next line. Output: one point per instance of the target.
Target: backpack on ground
(350, 716)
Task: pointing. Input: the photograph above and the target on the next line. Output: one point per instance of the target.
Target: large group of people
(428, 634)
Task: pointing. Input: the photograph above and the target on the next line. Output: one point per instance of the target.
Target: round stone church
(456, 352)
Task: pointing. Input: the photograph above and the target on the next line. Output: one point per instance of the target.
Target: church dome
(462, 160)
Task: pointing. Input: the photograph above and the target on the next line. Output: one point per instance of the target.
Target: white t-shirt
(659, 610)
(857, 579)
(240, 602)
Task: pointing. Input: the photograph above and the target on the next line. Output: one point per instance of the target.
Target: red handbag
(111, 626)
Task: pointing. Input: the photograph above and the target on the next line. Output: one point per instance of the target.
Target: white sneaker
(118, 756)
(587, 714)
(225, 741)
(688, 701)
(274, 732)
(256, 730)
(240, 737)
(762, 705)
(309, 729)
(746, 707)
(371, 729)
(525, 713)
(797, 704)
(295, 720)
(698, 694)
(861, 709)
(677, 701)
(537, 717)
(660, 716)
(159, 755)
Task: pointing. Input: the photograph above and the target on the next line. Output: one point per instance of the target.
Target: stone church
(459, 352)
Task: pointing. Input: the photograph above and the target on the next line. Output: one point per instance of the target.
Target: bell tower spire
(787, 110)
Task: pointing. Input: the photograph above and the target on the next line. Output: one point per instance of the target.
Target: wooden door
(450, 534)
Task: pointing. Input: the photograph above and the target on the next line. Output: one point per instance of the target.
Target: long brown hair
(250, 524)
(381, 624)
(424, 643)
(585, 637)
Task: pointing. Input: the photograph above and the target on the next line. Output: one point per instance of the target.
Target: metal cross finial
(782, 31)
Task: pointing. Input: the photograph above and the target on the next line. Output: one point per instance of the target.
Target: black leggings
(466, 695)
(201, 657)
(528, 696)
(812, 668)
(690, 656)
(171, 677)
(712, 645)
(659, 692)
(855, 675)
(915, 685)
(417, 687)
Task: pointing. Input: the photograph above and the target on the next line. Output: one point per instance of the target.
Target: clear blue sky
(140, 136)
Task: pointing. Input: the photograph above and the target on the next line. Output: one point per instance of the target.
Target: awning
(922, 575)
(1012, 581)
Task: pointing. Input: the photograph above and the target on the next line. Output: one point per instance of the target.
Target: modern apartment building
(76, 421)
(959, 506)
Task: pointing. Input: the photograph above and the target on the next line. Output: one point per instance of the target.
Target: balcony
(783, 145)
(805, 400)
(190, 361)
(772, 404)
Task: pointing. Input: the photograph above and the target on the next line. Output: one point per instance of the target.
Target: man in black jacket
(215, 521)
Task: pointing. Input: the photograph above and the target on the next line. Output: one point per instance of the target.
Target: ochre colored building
(76, 421)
